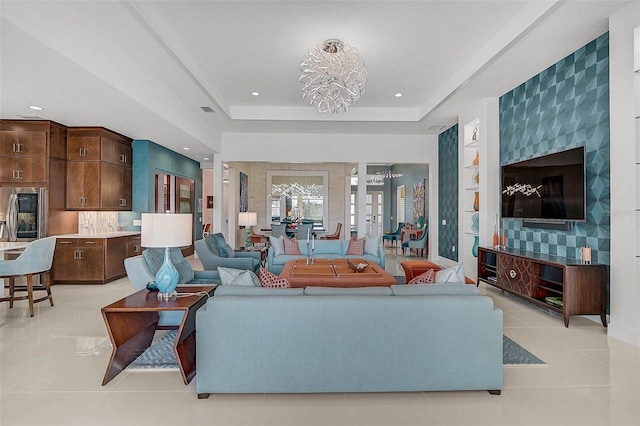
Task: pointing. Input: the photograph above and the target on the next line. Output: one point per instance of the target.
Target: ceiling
(146, 68)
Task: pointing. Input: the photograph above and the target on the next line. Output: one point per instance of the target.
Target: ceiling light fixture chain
(333, 76)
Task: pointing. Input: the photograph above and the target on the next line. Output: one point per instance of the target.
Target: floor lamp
(247, 219)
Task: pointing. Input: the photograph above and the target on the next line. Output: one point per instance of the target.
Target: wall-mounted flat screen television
(547, 188)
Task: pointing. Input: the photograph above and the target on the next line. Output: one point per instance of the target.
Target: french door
(374, 210)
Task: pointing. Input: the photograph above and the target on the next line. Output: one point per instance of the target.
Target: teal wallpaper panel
(563, 107)
(448, 192)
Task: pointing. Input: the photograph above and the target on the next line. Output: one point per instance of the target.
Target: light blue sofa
(324, 249)
(373, 339)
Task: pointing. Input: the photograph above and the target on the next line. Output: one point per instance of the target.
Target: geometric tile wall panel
(563, 107)
(448, 192)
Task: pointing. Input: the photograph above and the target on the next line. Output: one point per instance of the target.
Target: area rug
(160, 355)
(515, 355)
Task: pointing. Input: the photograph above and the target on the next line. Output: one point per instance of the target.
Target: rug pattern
(160, 354)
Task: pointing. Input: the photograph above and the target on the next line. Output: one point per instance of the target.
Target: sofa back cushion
(435, 289)
(238, 290)
(352, 291)
(155, 257)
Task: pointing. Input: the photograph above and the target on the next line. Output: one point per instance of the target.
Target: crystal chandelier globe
(333, 76)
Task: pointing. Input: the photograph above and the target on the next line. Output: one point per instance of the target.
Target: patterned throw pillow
(269, 279)
(356, 247)
(291, 246)
(424, 278)
(277, 244)
(455, 274)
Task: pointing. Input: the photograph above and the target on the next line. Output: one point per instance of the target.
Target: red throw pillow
(291, 246)
(424, 278)
(269, 279)
(356, 247)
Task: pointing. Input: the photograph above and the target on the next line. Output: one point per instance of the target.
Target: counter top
(101, 235)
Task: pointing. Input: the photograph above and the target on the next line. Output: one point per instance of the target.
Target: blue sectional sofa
(325, 249)
(372, 339)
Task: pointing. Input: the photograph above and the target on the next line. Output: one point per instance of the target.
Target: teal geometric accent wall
(149, 158)
(563, 107)
(448, 193)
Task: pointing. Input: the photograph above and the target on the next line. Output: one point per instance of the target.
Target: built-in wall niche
(297, 194)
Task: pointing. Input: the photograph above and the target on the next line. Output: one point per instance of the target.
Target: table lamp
(247, 219)
(161, 230)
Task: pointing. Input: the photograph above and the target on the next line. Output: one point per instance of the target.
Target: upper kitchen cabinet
(31, 151)
(99, 163)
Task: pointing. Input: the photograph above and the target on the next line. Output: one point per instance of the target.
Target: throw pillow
(231, 276)
(226, 250)
(269, 279)
(356, 247)
(291, 246)
(155, 258)
(211, 243)
(277, 244)
(372, 244)
(455, 274)
(427, 277)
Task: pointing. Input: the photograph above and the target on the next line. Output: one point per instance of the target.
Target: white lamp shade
(247, 219)
(166, 230)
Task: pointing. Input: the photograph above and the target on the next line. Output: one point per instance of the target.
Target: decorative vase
(476, 243)
(475, 227)
(474, 137)
(475, 179)
(476, 201)
(496, 237)
(504, 235)
(167, 277)
(476, 160)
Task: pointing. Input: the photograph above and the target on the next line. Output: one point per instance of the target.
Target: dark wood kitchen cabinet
(92, 260)
(100, 174)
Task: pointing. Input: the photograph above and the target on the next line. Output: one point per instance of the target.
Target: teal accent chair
(393, 238)
(418, 244)
(213, 251)
(278, 229)
(36, 259)
(303, 229)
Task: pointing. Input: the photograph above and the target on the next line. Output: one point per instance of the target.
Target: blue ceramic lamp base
(167, 278)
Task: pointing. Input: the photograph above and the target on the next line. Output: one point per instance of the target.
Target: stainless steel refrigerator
(22, 213)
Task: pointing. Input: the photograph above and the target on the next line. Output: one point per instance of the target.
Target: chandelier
(333, 76)
(291, 190)
(388, 174)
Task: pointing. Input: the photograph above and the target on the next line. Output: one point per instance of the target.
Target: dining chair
(335, 235)
(393, 238)
(304, 229)
(278, 229)
(418, 244)
(36, 259)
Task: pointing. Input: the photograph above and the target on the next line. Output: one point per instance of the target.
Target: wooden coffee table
(335, 273)
(132, 322)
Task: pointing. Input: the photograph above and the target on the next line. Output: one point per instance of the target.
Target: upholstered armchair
(395, 236)
(418, 244)
(213, 251)
(142, 269)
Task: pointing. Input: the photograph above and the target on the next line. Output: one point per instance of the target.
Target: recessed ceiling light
(206, 158)
(36, 108)
(255, 93)
(398, 95)
(186, 148)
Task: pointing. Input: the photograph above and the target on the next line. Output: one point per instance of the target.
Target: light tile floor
(51, 367)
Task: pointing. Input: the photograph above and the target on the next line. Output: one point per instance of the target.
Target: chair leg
(47, 284)
(30, 292)
(12, 289)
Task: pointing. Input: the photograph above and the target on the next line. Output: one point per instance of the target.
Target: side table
(132, 322)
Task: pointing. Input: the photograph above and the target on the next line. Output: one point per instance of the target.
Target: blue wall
(149, 158)
(448, 192)
(563, 107)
